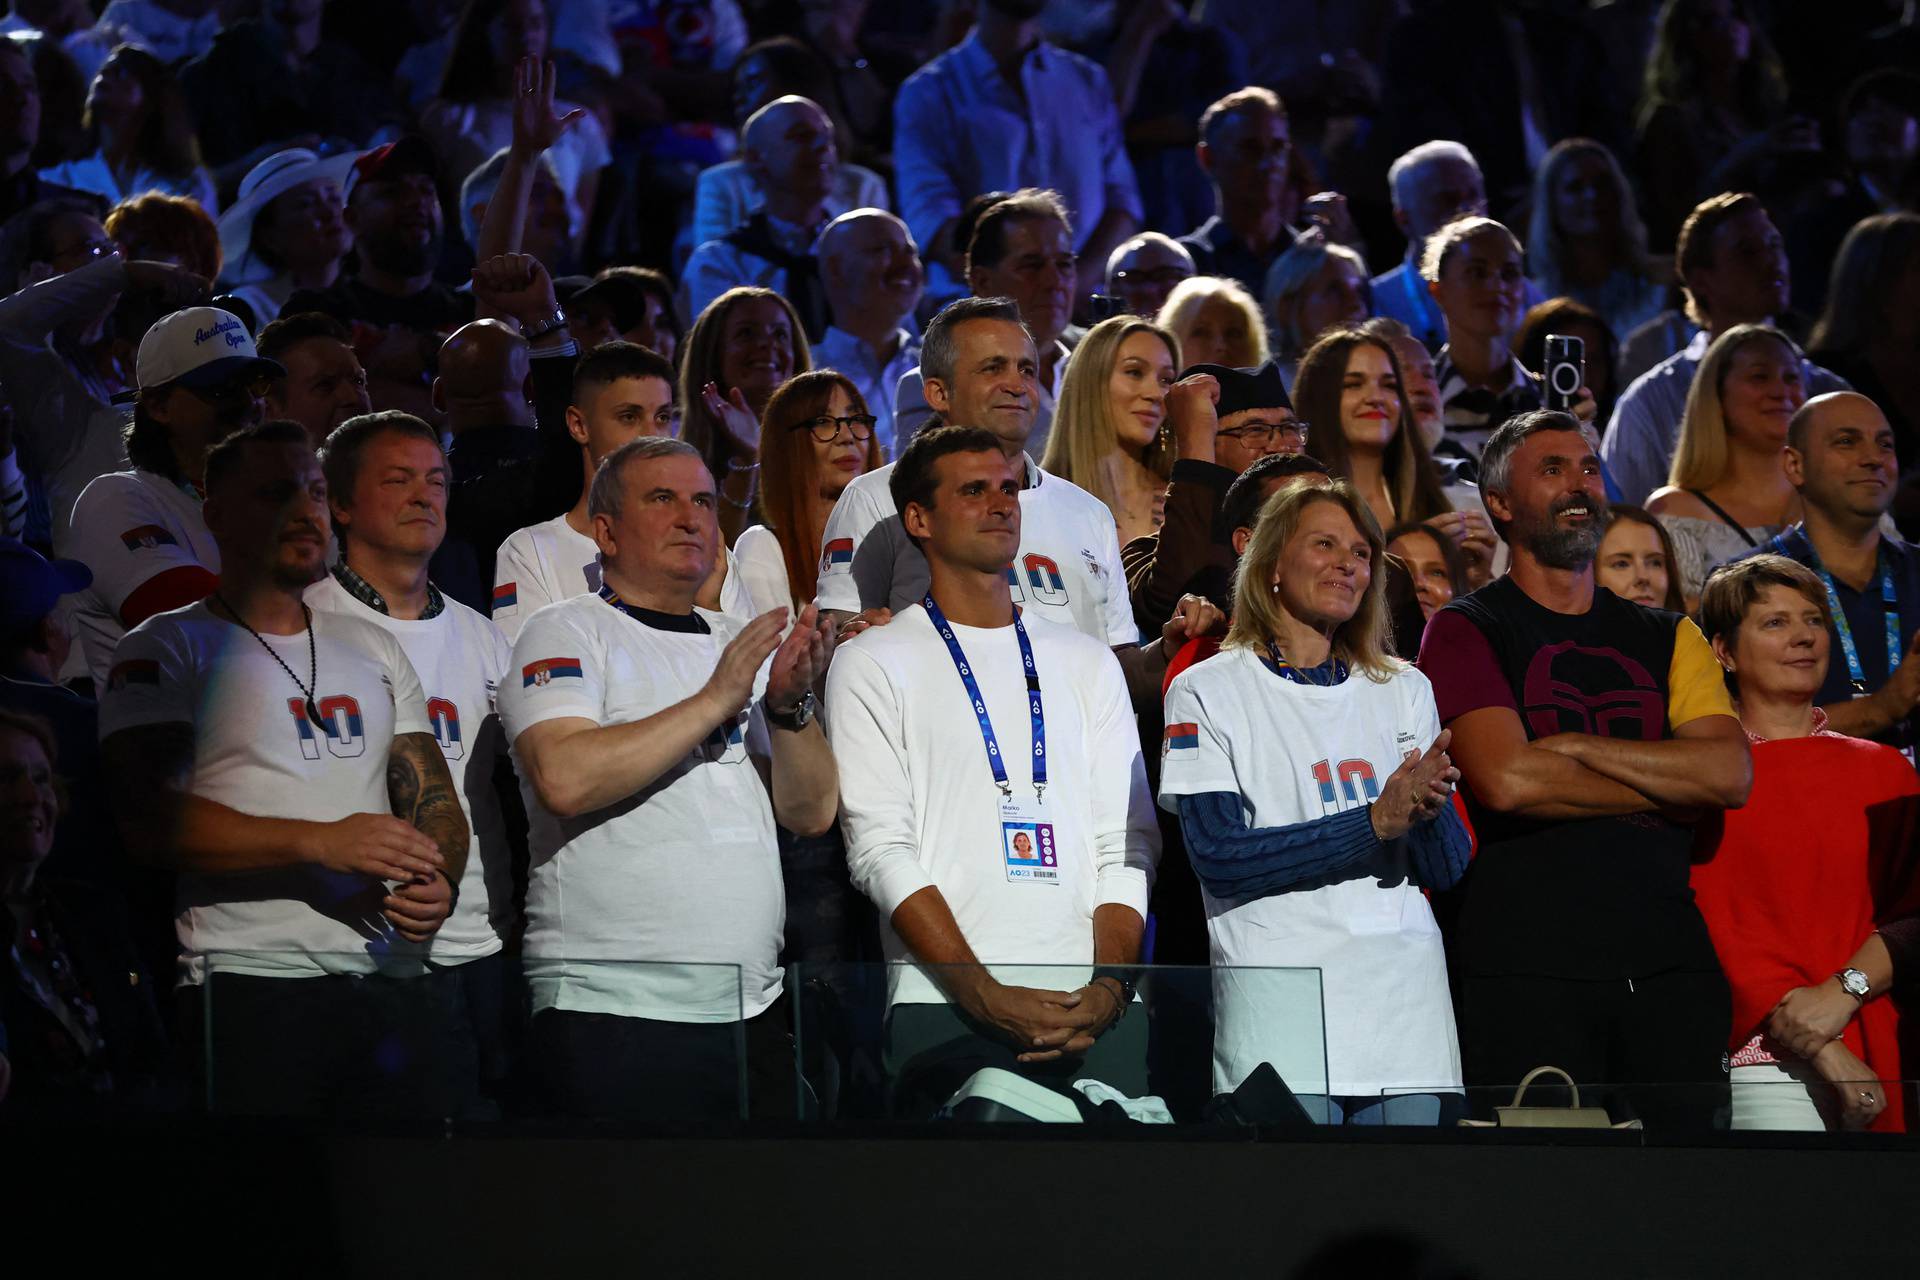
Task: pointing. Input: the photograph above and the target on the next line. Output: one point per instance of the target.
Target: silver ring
(1865, 1096)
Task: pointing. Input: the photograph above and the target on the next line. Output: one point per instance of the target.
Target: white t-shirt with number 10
(256, 750)
(1294, 753)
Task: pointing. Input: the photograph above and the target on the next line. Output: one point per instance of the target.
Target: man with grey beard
(1590, 733)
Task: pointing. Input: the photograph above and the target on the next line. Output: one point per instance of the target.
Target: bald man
(871, 271)
(502, 390)
(1840, 457)
(788, 147)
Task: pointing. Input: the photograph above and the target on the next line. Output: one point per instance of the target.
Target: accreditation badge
(1026, 841)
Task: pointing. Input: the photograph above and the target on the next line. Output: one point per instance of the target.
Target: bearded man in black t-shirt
(1589, 732)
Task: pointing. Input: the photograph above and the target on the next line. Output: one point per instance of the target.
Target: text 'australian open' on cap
(201, 347)
(1243, 389)
(30, 584)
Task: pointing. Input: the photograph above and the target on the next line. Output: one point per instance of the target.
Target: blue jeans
(1423, 1109)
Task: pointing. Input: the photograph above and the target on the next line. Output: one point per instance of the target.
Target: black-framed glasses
(826, 428)
(1291, 433)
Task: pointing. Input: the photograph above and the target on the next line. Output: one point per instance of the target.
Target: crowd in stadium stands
(526, 519)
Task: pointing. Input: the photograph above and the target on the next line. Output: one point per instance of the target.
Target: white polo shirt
(1067, 569)
(129, 527)
(460, 658)
(255, 750)
(685, 873)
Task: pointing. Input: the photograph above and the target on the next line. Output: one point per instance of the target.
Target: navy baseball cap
(30, 584)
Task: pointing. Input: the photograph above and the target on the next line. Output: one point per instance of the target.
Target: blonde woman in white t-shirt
(1313, 786)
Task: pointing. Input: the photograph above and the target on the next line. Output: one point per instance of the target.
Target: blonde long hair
(1362, 640)
(1084, 433)
(1182, 308)
(1704, 454)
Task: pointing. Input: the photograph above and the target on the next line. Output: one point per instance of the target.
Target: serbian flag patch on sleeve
(133, 671)
(146, 537)
(837, 552)
(1183, 737)
(548, 670)
(506, 595)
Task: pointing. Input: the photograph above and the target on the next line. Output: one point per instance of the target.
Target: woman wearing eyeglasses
(816, 437)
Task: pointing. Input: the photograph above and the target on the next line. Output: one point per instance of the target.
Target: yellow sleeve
(1696, 686)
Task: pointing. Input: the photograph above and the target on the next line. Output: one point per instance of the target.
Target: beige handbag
(1515, 1115)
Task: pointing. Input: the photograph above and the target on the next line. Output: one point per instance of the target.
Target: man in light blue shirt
(871, 272)
(1733, 270)
(1005, 110)
(1432, 185)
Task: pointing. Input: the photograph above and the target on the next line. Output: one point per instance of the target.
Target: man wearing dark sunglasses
(140, 530)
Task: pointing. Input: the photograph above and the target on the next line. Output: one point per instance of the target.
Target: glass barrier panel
(397, 1039)
(885, 1042)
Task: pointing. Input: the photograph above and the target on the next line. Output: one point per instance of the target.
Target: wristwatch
(548, 326)
(798, 718)
(1121, 976)
(1854, 983)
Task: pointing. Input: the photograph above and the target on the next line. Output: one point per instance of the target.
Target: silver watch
(798, 717)
(1854, 983)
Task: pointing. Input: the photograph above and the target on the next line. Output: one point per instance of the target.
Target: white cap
(201, 347)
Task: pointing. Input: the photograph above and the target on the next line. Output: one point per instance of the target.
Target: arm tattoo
(420, 790)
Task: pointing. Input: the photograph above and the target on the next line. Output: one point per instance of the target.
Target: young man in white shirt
(621, 392)
(656, 749)
(933, 811)
(387, 491)
(281, 761)
(141, 530)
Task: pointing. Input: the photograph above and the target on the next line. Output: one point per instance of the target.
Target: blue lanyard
(1287, 671)
(1888, 602)
(1035, 710)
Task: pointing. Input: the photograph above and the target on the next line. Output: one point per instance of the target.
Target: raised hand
(535, 126)
(514, 286)
(1193, 415)
(730, 410)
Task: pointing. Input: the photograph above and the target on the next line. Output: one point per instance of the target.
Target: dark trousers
(1666, 1033)
(607, 1066)
(366, 1046)
(932, 1049)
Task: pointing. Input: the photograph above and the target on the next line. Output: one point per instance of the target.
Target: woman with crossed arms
(1311, 777)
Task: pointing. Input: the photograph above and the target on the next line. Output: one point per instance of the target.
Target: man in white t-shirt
(621, 392)
(281, 761)
(657, 747)
(387, 490)
(141, 530)
(963, 725)
(980, 369)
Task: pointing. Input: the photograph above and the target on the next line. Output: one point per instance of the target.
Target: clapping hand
(1193, 617)
(1417, 791)
(801, 661)
(733, 415)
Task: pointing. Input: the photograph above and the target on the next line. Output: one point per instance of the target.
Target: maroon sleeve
(1456, 658)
